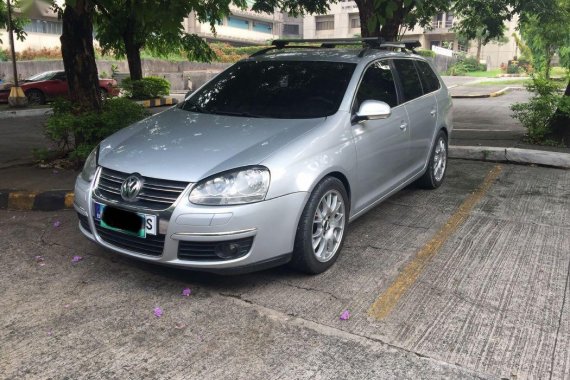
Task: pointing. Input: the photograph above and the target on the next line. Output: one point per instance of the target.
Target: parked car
(268, 162)
(49, 85)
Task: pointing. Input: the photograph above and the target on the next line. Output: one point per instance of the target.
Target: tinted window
(283, 89)
(377, 84)
(409, 78)
(430, 81)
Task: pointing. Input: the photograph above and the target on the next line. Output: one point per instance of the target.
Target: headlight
(232, 188)
(90, 166)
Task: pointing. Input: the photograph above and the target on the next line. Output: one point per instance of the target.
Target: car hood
(184, 146)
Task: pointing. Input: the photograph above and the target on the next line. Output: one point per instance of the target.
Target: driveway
(468, 281)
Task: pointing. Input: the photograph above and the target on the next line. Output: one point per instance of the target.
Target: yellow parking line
(386, 302)
(21, 200)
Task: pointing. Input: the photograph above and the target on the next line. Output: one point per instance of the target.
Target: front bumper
(272, 224)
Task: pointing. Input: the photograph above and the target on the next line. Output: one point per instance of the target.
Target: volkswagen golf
(268, 162)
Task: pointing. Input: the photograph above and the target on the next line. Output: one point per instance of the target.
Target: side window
(430, 81)
(409, 78)
(59, 76)
(377, 84)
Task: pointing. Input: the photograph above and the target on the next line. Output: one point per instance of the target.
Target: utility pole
(16, 97)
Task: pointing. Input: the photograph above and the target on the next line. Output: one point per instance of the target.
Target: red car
(53, 84)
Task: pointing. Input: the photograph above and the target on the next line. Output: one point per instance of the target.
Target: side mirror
(372, 110)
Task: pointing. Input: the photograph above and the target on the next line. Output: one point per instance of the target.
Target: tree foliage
(18, 19)
(124, 27)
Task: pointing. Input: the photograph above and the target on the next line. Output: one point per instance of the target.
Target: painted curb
(158, 102)
(23, 113)
(511, 155)
(36, 201)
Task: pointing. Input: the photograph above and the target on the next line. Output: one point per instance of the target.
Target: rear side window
(409, 78)
(430, 81)
(377, 84)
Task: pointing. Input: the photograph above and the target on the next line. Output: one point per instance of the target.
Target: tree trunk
(479, 44)
(560, 124)
(79, 56)
(389, 31)
(366, 12)
(133, 56)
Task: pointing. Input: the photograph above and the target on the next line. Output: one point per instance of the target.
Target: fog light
(227, 250)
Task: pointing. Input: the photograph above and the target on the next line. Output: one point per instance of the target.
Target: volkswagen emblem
(131, 188)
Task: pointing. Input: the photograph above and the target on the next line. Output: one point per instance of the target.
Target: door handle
(403, 126)
(433, 112)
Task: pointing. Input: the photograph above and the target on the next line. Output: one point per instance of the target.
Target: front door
(382, 146)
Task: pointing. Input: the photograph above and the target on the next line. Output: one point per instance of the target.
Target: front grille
(156, 194)
(84, 221)
(205, 251)
(151, 245)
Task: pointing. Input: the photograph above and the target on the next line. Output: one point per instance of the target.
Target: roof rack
(369, 42)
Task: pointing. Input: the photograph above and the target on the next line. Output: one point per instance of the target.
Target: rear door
(382, 146)
(422, 111)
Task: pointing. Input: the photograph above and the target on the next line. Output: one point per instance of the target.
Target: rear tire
(35, 97)
(322, 228)
(437, 166)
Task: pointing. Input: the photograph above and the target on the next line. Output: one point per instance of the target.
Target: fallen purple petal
(39, 259)
(186, 292)
(56, 224)
(49, 333)
(158, 312)
(76, 259)
(345, 315)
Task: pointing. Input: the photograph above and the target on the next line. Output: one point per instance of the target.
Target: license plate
(127, 222)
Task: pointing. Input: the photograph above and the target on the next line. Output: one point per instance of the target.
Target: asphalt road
(468, 281)
(488, 121)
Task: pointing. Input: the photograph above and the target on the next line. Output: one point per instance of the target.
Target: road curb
(25, 113)
(511, 155)
(158, 102)
(36, 201)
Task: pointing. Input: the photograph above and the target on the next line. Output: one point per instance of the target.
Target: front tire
(437, 166)
(321, 230)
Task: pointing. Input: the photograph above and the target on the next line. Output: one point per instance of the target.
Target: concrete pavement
(490, 302)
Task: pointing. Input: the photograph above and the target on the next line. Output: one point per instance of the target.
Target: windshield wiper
(230, 113)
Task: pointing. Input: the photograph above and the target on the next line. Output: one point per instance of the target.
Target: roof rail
(370, 42)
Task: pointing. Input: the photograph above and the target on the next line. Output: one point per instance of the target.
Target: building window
(41, 26)
(354, 20)
(236, 22)
(263, 27)
(291, 29)
(325, 22)
(449, 20)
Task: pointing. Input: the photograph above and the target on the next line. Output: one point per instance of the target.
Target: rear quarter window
(429, 79)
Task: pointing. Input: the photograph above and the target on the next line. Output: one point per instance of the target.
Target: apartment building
(43, 31)
(243, 26)
(343, 21)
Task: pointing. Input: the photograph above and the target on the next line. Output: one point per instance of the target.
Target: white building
(43, 30)
(247, 27)
(343, 21)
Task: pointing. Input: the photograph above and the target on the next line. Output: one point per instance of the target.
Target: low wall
(177, 73)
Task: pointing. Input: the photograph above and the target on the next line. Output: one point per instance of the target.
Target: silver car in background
(268, 162)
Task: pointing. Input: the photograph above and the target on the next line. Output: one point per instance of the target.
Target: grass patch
(484, 74)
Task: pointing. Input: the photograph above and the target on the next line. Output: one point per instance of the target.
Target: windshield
(42, 76)
(282, 89)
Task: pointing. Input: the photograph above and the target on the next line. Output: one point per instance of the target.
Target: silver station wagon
(268, 162)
